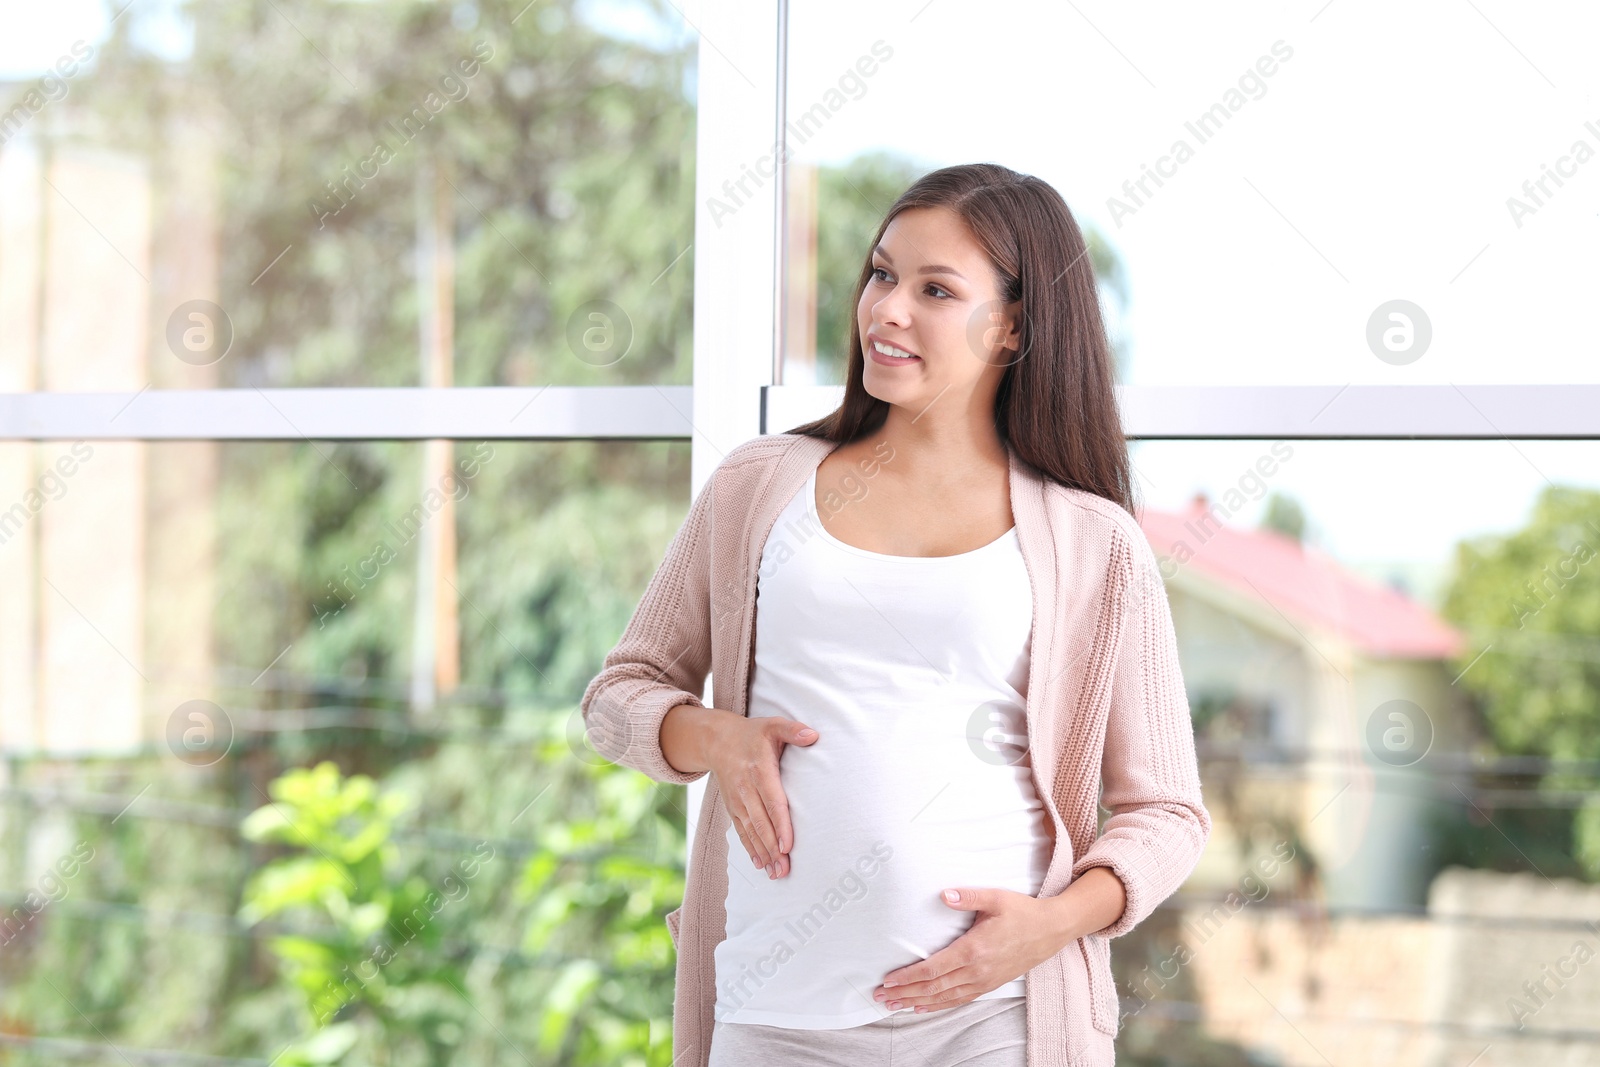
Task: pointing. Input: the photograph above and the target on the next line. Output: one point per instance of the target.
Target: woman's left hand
(1012, 934)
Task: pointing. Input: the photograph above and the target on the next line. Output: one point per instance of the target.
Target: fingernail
(894, 1005)
(879, 996)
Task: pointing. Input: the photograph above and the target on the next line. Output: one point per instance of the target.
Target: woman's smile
(890, 355)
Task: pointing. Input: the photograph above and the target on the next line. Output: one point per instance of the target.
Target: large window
(347, 372)
(358, 362)
(1347, 278)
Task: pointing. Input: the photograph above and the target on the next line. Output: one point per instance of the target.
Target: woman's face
(932, 293)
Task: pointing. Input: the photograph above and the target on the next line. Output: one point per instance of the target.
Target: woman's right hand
(744, 757)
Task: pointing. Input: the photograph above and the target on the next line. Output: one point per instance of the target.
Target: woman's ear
(994, 332)
(1013, 318)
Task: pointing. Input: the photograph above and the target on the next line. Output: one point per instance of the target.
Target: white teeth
(890, 350)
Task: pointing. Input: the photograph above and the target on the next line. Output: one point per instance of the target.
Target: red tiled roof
(1306, 584)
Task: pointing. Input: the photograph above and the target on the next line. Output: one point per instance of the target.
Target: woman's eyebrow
(934, 269)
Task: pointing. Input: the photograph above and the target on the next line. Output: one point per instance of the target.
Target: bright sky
(39, 34)
(1374, 163)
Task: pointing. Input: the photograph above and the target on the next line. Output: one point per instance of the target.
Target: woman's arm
(662, 659)
(688, 736)
(1088, 905)
(1149, 774)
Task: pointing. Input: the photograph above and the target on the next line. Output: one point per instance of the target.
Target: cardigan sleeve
(663, 656)
(1150, 780)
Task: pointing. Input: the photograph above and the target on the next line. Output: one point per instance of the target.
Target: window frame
(737, 391)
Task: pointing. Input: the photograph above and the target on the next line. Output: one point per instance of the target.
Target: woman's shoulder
(1106, 518)
(764, 451)
(763, 446)
(1091, 506)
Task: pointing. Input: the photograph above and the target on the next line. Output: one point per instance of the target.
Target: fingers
(777, 800)
(776, 805)
(753, 821)
(946, 991)
(758, 823)
(754, 796)
(743, 838)
(776, 868)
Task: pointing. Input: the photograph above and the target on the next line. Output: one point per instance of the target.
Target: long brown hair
(1055, 405)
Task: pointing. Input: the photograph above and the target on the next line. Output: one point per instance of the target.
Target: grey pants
(979, 1033)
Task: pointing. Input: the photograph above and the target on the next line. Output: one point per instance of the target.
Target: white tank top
(913, 671)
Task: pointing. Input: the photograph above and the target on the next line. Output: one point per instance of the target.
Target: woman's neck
(952, 448)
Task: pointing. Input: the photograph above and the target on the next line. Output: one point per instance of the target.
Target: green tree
(570, 156)
(572, 163)
(1530, 603)
(1285, 515)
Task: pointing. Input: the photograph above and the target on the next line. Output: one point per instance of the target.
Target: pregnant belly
(875, 843)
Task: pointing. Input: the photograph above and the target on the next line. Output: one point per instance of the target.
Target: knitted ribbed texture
(1108, 719)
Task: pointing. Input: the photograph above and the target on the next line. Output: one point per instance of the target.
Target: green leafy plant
(599, 886)
(381, 928)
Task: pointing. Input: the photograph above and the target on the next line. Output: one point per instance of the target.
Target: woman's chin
(891, 389)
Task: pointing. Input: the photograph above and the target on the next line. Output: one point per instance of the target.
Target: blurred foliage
(555, 543)
(599, 888)
(340, 875)
(1285, 515)
(191, 927)
(1529, 602)
(592, 890)
(569, 154)
(851, 202)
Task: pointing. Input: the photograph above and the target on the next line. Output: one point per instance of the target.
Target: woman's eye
(876, 271)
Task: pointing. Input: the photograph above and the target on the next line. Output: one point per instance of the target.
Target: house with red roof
(1324, 706)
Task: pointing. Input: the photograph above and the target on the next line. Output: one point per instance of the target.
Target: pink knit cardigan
(1108, 719)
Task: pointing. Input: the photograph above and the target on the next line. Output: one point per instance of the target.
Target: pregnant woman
(940, 643)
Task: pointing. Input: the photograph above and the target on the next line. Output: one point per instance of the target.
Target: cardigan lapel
(1047, 719)
(793, 468)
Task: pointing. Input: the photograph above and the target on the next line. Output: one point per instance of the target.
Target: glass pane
(323, 194)
(192, 631)
(1289, 198)
(1390, 654)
